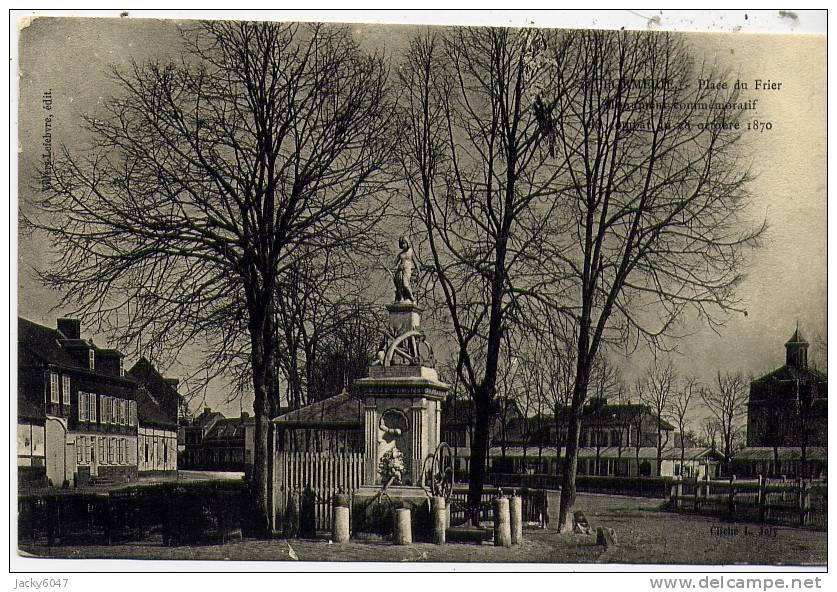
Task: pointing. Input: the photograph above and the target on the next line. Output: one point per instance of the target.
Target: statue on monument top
(404, 264)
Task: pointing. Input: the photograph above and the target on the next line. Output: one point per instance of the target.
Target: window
(91, 400)
(53, 387)
(103, 410)
(65, 389)
(80, 450)
(124, 412)
(93, 447)
(91, 358)
(82, 406)
(103, 455)
(111, 452)
(132, 413)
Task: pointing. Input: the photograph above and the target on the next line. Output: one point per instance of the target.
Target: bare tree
(653, 187)
(655, 391)
(604, 382)
(726, 401)
(481, 182)
(681, 404)
(206, 177)
(709, 432)
(323, 310)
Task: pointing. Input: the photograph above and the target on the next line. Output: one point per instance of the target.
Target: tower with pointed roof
(788, 407)
(796, 351)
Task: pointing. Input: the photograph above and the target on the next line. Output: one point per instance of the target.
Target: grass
(647, 535)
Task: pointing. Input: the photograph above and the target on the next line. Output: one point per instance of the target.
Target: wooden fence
(796, 502)
(315, 477)
(655, 487)
(535, 504)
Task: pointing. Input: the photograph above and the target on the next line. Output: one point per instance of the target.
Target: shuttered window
(65, 389)
(53, 387)
(91, 400)
(82, 406)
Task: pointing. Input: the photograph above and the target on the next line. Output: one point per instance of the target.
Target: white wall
(156, 449)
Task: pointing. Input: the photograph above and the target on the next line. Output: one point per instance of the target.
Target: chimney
(70, 328)
(244, 416)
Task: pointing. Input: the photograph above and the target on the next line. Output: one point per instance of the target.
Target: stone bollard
(516, 519)
(340, 518)
(502, 529)
(402, 532)
(439, 514)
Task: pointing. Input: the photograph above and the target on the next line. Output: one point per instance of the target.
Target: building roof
(786, 453)
(226, 429)
(339, 411)
(39, 344)
(796, 338)
(786, 373)
(157, 398)
(150, 413)
(205, 418)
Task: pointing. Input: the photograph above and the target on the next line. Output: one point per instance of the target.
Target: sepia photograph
(402, 293)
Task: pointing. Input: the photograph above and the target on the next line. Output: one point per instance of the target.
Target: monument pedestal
(372, 513)
(402, 400)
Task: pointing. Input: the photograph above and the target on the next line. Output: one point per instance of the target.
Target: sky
(785, 283)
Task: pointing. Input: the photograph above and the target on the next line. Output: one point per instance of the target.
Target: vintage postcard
(361, 292)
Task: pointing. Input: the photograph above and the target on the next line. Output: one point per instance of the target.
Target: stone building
(77, 411)
(213, 442)
(82, 419)
(787, 419)
(788, 407)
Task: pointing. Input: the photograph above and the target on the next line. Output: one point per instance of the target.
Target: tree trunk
(265, 406)
(568, 472)
(479, 454)
(571, 460)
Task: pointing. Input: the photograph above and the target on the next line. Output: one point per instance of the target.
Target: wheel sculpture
(409, 349)
(437, 480)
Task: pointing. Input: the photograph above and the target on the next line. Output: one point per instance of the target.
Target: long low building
(752, 461)
(604, 461)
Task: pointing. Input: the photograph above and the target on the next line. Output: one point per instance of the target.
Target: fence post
(697, 493)
(804, 502)
(516, 518)
(502, 529)
(340, 519)
(438, 510)
(762, 498)
(402, 531)
(678, 494)
(731, 507)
